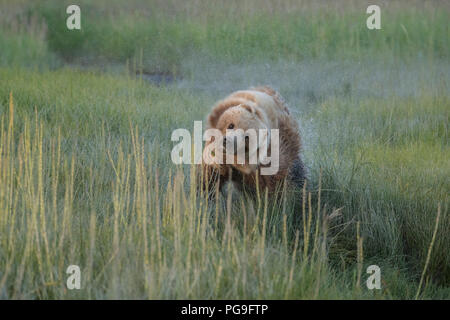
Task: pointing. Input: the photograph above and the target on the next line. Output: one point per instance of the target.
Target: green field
(85, 171)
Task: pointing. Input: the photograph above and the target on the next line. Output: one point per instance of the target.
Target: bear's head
(245, 129)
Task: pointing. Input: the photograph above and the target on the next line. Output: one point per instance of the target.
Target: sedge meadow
(86, 177)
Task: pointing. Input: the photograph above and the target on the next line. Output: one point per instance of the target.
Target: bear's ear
(253, 110)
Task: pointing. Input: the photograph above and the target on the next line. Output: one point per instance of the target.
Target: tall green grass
(23, 43)
(387, 165)
(86, 176)
(86, 179)
(172, 241)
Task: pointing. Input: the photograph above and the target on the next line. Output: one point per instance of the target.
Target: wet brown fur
(290, 165)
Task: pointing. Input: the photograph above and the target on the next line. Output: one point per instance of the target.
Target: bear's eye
(231, 126)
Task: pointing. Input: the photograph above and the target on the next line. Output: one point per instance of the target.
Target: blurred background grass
(373, 108)
(160, 33)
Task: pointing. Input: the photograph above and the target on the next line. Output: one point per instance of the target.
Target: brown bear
(256, 108)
